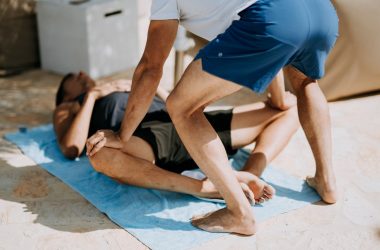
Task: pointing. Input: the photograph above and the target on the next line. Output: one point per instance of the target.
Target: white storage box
(97, 36)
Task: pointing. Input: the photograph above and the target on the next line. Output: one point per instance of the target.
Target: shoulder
(164, 10)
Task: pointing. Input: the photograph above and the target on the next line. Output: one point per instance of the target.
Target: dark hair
(61, 89)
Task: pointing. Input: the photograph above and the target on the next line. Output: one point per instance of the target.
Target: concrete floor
(38, 211)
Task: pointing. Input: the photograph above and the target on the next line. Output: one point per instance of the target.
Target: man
(154, 157)
(78, 96)
(251, 41)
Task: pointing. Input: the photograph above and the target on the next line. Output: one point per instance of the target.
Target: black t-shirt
(109, 111)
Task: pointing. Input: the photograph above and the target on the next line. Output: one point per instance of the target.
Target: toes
(260, 200)
(266, 197)
(267, 194)
(269, 191)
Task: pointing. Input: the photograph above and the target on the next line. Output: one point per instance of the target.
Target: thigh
(249, 121)
(136, 148)
(297, 79)
(197, 89)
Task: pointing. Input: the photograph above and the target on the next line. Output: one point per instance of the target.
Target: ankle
(256, 164)
(325, 176)
(242, 212)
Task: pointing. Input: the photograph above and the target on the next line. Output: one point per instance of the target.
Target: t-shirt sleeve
(164, 10)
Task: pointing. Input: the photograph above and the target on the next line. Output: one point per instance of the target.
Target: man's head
(73, 85)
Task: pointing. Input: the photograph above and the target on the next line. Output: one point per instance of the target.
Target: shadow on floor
(57, 206)
(45, 199)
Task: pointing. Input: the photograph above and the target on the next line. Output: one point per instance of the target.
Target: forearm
(144, 85)
(74, 140)
(161, 36)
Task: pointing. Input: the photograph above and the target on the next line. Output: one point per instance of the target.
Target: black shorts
(170, 153)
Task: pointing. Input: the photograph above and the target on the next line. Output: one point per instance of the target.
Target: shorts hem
(302, 71)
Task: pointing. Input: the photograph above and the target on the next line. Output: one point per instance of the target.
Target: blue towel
(159, 219)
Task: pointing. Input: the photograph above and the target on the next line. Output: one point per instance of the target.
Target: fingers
(260, 200)
(266, 196)
(95, 143)
(120, 85)
(123, 85)
(98, 147)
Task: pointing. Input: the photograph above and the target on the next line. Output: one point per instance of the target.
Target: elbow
(150, 68)
(70, 152)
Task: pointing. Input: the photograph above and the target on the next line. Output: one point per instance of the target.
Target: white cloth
(205, 18)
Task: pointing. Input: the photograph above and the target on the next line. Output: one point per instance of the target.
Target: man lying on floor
(154, 157)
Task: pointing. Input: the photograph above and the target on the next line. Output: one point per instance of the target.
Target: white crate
(97, 36)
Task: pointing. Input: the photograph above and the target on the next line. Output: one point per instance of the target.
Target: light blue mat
(158, 219)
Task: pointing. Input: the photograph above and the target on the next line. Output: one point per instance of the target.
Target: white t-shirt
(205, 18)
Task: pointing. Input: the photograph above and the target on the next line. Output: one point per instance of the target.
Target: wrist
(123, 137)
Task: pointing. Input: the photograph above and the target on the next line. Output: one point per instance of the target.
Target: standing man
(250, 42)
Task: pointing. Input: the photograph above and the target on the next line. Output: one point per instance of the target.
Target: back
(205, 18)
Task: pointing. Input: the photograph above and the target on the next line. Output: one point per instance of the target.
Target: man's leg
(139, 172)
(270, 128)
(314, 116)
(185, 105)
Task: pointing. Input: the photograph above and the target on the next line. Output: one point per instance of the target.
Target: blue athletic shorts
(269, 35)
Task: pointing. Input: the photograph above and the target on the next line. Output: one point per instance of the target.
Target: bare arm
(71, 123)
(161, 36)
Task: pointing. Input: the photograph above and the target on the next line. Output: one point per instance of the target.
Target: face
(76, 85)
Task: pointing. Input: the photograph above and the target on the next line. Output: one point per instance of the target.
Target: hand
(209, 191)
(103, 138)
(105, 89)
(288, 101)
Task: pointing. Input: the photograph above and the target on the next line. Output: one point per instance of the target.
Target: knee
(171, 103)
(177, 107)
(98, 161)
(298, 80)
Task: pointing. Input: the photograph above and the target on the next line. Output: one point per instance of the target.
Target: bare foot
(224, 220)
(209, 191)
(261, 190)
(326, 189)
